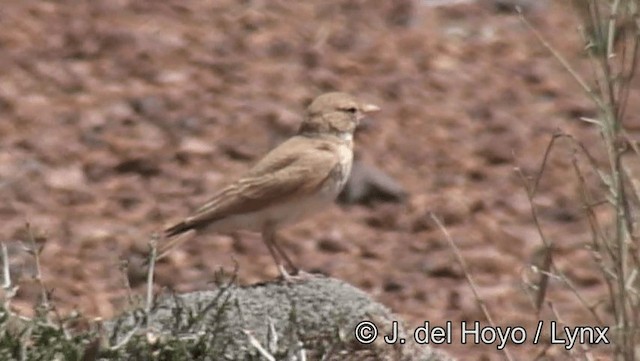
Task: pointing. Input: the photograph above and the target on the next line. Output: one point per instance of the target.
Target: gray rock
(317, 314)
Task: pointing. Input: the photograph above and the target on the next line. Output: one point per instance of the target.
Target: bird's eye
(352, 110)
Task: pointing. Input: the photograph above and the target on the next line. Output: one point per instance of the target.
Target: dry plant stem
(612, 28)
(36, 256)
(623, 92)
(581, 299)
(531, 192)
(611, 110)
(125, 281)
(585, 349)
(256, 344)
(598, 236)
(6, 274)
(548, 265)
(558, 274)
(612, 74)
(222, 287)
(621, 258)
(623, 97)
(628, 178)
(467, 275)
(272, 335)
(127, 338)
(7, 285)
(153, 245)
(47, 306)
(9, 289)
(560, 58)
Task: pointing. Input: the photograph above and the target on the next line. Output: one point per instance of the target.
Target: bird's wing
(298, 166)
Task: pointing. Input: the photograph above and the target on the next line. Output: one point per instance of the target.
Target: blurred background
(118, 117)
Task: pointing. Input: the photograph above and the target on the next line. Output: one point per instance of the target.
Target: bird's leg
(284, 256)
(268, 235)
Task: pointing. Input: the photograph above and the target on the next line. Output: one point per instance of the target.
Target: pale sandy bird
(296, 179)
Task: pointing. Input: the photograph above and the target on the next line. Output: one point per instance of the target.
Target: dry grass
(611, 32)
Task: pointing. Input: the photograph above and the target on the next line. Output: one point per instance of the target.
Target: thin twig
(467, 274)
(153, 245)
(561, 59)
(127, 337)
(6, 283)
(548, 244)
(9, 290)
(585, 349)
(256, 344)
(36, 250)
(123, 266)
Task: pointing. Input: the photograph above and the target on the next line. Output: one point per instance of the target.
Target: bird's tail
(177, 228)
(181, 230)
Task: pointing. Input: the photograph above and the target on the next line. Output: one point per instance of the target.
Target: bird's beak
(370, 108)
(363, 120)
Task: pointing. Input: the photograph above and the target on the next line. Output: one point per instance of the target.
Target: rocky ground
(118, 117)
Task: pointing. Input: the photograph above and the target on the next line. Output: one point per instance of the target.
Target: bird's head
(335, 114)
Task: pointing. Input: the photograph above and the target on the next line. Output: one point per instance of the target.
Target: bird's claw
(295, 277)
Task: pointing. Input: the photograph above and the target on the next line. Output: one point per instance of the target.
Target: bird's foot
(295, 277)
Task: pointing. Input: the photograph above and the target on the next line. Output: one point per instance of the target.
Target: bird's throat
(346, 136)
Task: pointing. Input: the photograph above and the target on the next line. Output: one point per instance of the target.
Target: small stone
(149, 106)
(332, 245)
(368, 184)
(66, 178)
(195, 146)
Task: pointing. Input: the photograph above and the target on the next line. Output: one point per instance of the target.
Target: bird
(298, 178)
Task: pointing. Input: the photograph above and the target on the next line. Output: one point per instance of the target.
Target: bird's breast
(340, 173)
